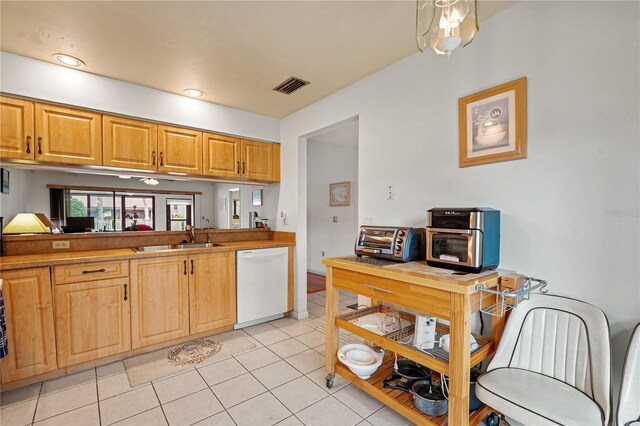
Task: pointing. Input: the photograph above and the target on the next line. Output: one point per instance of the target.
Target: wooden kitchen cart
(418, 288)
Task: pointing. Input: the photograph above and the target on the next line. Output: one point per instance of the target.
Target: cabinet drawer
(90, 271)
(415, 297)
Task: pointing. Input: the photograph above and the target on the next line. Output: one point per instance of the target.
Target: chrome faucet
(192, 233)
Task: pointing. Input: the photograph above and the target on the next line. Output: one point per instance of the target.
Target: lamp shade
(29, 223)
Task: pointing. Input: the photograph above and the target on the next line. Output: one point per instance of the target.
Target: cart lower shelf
(399, 401)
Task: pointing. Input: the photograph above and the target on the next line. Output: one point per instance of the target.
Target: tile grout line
(159, 404)
(224, 409)
(35, 410)
(95, 371)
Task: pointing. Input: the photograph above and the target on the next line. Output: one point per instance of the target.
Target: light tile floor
(281, 382)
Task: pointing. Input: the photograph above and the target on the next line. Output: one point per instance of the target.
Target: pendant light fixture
(443, 25)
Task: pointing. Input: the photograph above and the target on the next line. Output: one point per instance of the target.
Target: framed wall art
(339, 194)
(256, 197)
(493, 124)
(5, 181)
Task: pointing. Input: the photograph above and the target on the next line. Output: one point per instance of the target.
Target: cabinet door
(221, 156)
(159, 300)
(257, 161)
(92, 320)
(212, 291)
(180, 150)
(129, 143)
(16, 129)
(68, 135)
(30, 329)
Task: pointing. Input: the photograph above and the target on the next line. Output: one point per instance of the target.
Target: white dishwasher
(261, 285)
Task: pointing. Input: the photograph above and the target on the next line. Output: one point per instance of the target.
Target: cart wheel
(330, 378)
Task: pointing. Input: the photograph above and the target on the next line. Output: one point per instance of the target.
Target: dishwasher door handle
(257, 256)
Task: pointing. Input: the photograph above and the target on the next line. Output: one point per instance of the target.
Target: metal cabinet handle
(153, 158)
(238, 167)
(125, 292)
(161, 158)
(28, 144)
(384, 290)
(191, 266)
(243, 167)
(39, 145)
(184, 263)
(95, 271)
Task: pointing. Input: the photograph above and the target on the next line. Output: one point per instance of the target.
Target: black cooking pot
(474, 402)
(428, 398)
(406, 374)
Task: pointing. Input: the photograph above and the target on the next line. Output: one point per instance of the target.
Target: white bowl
(360, 359)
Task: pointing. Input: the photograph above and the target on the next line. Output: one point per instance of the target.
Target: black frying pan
(407, 372)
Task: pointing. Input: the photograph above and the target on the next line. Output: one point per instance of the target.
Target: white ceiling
(235, 51)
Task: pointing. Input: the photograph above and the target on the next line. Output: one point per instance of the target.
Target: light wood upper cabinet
(16, 129)
(212, 291)
(67, 135)
(180, 150)
(222, 156)
(129, 143)
(30, 329)
(257, 160)
(159, 300)
(92, 320)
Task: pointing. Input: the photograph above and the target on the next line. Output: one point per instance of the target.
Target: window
(178, 214)
(106, 208)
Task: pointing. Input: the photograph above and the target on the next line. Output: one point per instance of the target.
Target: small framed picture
(256, 197)
(5, 181)
(493, 124)
(339, 194)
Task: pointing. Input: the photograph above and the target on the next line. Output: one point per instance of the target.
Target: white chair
(629, 402)
(552, 365)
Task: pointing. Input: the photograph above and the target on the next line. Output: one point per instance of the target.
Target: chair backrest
(629, 401)
(563, 338)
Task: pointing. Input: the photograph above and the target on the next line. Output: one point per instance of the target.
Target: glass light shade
(29, 223)
(443, 25)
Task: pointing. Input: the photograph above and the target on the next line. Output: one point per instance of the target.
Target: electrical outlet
(57, 245)
(335, 219)
(322, 253)
(391, 192)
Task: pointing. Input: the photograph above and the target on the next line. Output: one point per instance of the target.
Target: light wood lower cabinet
(92, 320)
(159, 300)
(29, 317)
(212, 291)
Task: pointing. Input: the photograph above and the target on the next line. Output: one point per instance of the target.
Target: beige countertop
(70, 257)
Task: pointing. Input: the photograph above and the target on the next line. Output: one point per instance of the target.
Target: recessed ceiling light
(194, 92)
(68, 60)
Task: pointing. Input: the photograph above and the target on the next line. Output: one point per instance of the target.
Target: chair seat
(535, 399)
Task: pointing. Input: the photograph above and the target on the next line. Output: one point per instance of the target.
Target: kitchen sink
(177, 246)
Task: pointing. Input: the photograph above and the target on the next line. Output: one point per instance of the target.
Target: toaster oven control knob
(401, 233)
(399, 241)
(398, 248)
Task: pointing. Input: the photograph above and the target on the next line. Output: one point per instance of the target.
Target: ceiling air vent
(290, 85)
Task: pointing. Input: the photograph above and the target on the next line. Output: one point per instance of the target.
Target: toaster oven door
(455, 246)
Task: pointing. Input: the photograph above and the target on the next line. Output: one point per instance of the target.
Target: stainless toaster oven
(402, 244)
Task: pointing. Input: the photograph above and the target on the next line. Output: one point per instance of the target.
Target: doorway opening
(332, 197)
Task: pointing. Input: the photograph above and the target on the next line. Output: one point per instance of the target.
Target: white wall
(31, 185)
(41, 80)
(570, 210)
(329, 163)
